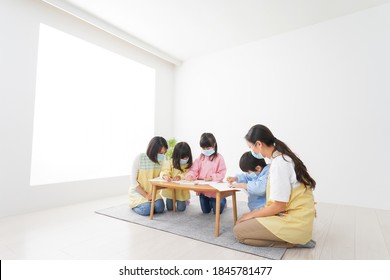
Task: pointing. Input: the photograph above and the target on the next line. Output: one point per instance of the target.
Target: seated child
(254, 180)
(209, 166)
(175, 170)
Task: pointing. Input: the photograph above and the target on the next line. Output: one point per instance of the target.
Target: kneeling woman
(145, 167)
(287, 219)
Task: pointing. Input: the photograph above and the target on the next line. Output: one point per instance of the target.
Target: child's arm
(238, 185)
(221, 169)
(242, 178)
(239, 178)
(193, 173)
(182, 175)
(259, 186)
(166, 170)
(231, 179)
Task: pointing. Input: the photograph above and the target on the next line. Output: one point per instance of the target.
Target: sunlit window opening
(94, 110)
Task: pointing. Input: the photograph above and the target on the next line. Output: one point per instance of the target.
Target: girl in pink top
(209, 166)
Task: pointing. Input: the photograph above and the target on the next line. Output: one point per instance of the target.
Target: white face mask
(160, 157)
(183, 161)
(258, 156)
(208, 153)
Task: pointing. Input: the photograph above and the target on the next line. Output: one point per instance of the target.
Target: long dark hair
(263, 134)
(181, 150)
(155, 146)
(208, 140)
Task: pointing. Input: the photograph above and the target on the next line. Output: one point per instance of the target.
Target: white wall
(324, 90)
(19, 31)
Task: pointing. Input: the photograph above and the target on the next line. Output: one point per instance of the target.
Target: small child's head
(157, 148)
(209, 146)
(182, 156)
(248, 163)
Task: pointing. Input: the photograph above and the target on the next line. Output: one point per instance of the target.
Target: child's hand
(231, 179)
(167, 178)
(176, 178)
(208, 178)
(190, 178)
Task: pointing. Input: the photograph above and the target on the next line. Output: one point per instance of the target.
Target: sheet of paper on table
(196, 182)
(222, 186)
(158, 179)
(184, 182)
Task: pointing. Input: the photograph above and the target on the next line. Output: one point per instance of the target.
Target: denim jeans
(180, 205)
(144, 208)
(208, 203)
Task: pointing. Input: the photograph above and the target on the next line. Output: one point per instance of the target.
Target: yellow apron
(147, 170)
(296, 225)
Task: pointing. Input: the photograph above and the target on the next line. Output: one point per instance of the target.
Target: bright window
(94, 110)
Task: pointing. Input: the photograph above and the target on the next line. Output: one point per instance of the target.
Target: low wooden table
(219, 194)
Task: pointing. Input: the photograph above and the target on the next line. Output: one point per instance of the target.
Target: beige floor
(76, 232)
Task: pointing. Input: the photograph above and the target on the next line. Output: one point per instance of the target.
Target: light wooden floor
(76, 232)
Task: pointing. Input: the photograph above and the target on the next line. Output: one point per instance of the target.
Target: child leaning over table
(175, 170)
(254, 179)
(209, 166)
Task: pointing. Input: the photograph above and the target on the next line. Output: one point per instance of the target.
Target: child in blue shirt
(253, 180)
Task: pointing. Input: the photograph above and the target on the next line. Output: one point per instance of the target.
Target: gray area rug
(192, 223)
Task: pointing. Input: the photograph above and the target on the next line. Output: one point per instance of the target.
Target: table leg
(174, 199)
(153, 200)
(217, 212)
(234, 207)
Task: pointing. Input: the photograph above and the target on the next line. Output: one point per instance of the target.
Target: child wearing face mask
(175, 170)
(254, 179)
(147, 166)
(209, 166)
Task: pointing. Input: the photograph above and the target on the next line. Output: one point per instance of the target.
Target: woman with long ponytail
(287, 218)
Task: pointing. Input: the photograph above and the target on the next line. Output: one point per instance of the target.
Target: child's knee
(159, 206)
(181, 206)
(169, 204)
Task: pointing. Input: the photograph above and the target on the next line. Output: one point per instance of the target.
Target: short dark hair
(181, 150)
(249, 163)
(155, 146)
(208, 140)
